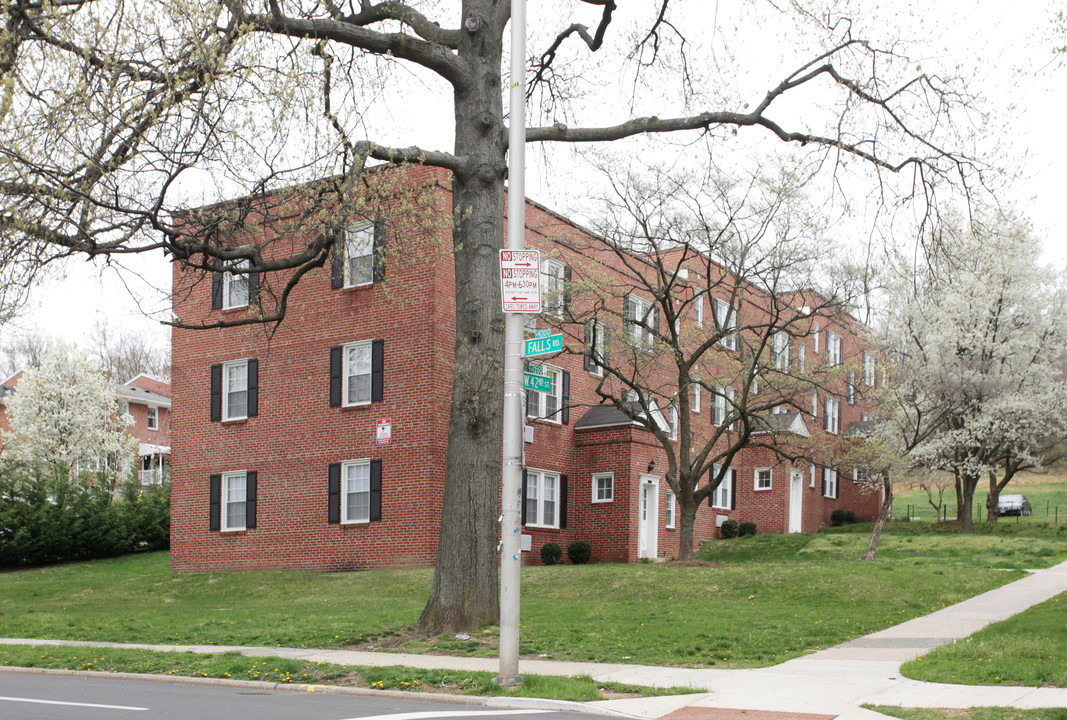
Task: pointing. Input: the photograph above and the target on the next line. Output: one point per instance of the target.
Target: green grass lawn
(975, 713)
(234, 666)
(767, 599)
(1047, 494)
(1027, 649)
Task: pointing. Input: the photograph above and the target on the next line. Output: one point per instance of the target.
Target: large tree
(718, 275)
(117, 115)
(978, 334)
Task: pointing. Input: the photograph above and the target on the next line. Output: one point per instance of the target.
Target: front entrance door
(648, 518)
(796, 499)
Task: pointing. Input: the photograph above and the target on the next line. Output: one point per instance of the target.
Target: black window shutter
(375, 490)
(216, 393)
(605, 347)
(253, 288)
(377, 370)
(653, 319)
(711, 479)
(590, 344)
(563, 502)
(565, 399)
(823, 479)
(216, 291)
(566, 288)
(337, 263)
(250, 499)
(522, 500)
(529, 402)
(733, 489)
(335, 377)
(253, 387)
(333, 489)
(214, 502)
(379, 251)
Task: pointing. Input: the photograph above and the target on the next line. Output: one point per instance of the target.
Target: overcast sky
(1004, 48)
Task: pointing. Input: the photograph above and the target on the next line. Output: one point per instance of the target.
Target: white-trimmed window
(815, 403)
(860, 476)
(235, 390)
(698, 310)
(722, 404)
(596, 335)
(235, 286)
(603, 487)
(850, 387)
(829, 482)
(356, 373)
(669, 523)
(355, 491)
(834, 348)
(815, 338)
(865, 416)
(672, 421)
(780, 409)
(547, 406)
(801, 364)
(552, 289)
(832, 421)
(542, 498)
(722, 497)
(763, 478)
(726, 322)
(359, 255)
(811, 482)
(781, 345)
(153, 418)
(697, 391)
(868, 369)
(640, 316)
(234, 500)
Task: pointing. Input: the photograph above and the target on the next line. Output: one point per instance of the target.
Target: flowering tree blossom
(978, 335)
(64, 416)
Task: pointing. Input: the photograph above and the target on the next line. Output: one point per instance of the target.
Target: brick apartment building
(321, 445)
(147, 400)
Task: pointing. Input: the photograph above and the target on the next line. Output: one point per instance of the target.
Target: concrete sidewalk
(831, 683)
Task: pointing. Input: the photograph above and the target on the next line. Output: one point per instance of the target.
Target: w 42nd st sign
(520, 281)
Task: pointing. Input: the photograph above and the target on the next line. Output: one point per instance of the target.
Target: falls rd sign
(543, 345)
(520, 281)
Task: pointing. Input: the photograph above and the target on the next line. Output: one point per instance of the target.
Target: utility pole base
(508, 681)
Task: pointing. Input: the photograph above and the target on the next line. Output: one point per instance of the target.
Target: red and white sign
(385, 431)
(520, 281)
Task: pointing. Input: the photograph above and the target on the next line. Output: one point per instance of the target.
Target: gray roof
(792, 423)
(861, 428)
(603, 416)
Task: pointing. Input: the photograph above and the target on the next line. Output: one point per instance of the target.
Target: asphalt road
(62, 697)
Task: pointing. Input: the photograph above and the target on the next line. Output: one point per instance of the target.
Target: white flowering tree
(64, 416)
(978, 334)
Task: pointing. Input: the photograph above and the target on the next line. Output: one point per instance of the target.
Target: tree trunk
(464, 595)
(883, 515)
(687, 512)
(992, 502)
(965, 514)
(959, 496)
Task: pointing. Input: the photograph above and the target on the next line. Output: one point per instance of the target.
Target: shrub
(729, 529)
(551, 553)
(746, 528)
(580, 551)
(842, 517)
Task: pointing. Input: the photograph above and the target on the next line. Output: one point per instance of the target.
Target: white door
(796, 500)
(648, 518)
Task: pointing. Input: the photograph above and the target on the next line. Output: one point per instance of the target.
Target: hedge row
(43, 520)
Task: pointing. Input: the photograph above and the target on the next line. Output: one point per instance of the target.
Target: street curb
(518, 703)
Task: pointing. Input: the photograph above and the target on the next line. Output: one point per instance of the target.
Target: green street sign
(543, 345)
(543, 332)
(540, 383)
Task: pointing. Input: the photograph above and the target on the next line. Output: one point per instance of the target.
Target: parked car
(1013, 505)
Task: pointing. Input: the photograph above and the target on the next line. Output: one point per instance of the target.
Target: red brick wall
(296, 435)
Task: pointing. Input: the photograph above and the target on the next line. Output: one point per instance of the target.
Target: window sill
(360, 286)
(236, 421)
(762, 489)
(233, 533)
(545, 421)
(603, 502)
(542, 527)
(357, 406)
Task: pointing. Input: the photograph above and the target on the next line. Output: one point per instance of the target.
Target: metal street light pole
(510, 541)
